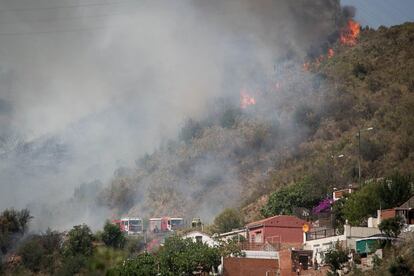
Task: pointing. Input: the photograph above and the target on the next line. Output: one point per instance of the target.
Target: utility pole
(359, 151)
(359, 156)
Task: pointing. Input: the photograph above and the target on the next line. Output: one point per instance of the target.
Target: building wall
(275, 234)
(250, 267)
(321, 246)
(348, 239)
(287, 235)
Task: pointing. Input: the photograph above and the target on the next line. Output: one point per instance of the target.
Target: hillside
(296, 123)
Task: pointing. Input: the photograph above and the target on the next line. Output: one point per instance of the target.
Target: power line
(120, 2)
(57, 31)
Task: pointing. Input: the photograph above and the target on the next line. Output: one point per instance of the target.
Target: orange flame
(246, 100)
(350, 34)
(331, 52)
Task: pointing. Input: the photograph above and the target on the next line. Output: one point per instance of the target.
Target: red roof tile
(280, 221)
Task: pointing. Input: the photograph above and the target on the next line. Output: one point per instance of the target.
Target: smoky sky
(89, 86)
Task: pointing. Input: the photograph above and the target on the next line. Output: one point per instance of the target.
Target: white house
(321, 241)
(198, 236)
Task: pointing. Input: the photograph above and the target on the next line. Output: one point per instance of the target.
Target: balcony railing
(320, 234)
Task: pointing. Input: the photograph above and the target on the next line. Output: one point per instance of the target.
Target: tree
(301, 194)
(79, 241)
(183, 256)
(335, 258)
(388, 193)
(395, 190)
(338, 213)
(13, 224)
(392, 226)
(113, 236)
(228, 220)
(361, 204)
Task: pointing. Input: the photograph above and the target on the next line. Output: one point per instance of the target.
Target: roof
(278, 221)
(200, 233)
(408, 204)
(236, 231)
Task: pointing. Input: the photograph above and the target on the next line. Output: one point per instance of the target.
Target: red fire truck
(130, 226)
(165, 224)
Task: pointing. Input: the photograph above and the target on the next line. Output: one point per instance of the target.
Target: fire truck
(130, 226)
(165, 224)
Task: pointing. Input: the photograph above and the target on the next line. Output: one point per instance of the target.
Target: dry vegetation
(235, 157)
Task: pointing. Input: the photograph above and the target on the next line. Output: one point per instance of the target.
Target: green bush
(335, 258)
(73, 264)
(183, 256)
(79, 241)
(392, 226)
(112, 236)
(362, 204)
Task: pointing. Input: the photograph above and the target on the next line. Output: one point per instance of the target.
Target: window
(199, 238)
(258, 237)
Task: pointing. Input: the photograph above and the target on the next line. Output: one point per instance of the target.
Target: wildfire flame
(246, 100)
(350, 34)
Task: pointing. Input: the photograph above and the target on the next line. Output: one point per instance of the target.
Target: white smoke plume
(89, 86)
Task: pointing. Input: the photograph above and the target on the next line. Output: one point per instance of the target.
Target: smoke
(91, 86)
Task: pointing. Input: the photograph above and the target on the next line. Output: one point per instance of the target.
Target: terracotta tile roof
(280, 221)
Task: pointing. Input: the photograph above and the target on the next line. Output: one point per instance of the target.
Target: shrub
(370, 150)
(229, 117)
(190, 130)
(112, 236)
(72, 265)
(360, 71)
(32, 253)
(183, 256)
(392, 226)
(79, 241)
(335, 258)
(399, 267)
(41, 252)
